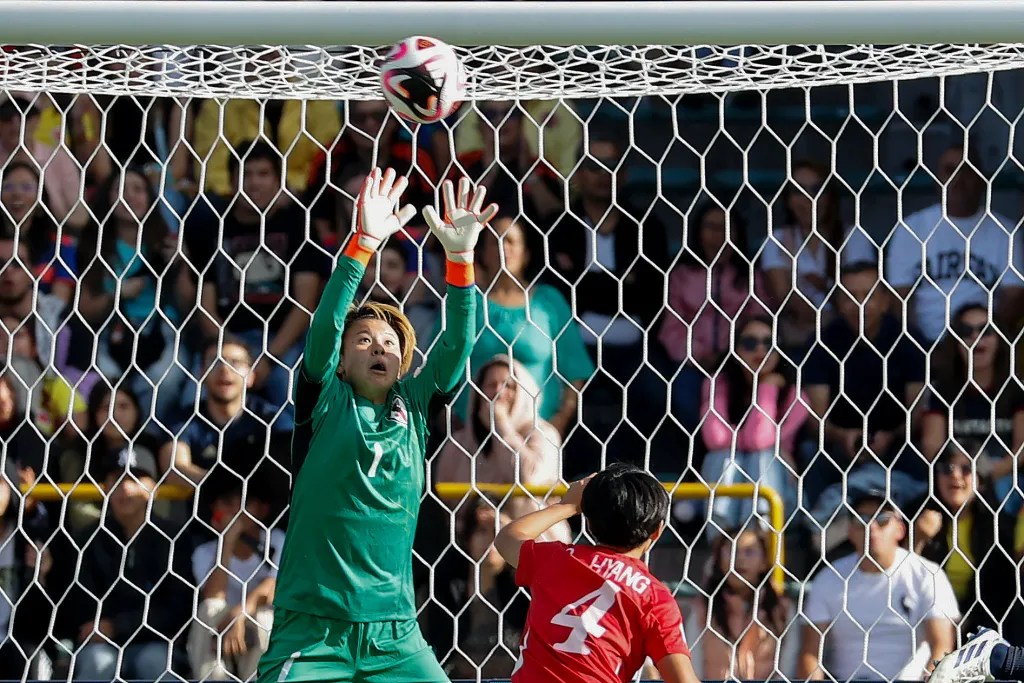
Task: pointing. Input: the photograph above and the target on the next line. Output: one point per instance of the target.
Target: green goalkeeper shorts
(304, 647)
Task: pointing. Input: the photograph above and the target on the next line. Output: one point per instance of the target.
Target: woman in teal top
(533, 323)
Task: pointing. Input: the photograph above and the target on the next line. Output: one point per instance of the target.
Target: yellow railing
(91, 492)
(776, 513)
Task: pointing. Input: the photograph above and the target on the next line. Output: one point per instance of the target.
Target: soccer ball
(423, 79)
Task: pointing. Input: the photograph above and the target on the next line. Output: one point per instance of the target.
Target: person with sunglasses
(957, 529)
(751, 418)
(974, 398)
(883, 612)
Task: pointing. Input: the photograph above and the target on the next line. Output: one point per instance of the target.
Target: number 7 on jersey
(378, 453)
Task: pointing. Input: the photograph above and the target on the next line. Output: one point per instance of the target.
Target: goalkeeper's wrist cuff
(459, 274)
(355, 250)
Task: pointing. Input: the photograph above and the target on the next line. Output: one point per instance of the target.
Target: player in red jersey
(597, 613)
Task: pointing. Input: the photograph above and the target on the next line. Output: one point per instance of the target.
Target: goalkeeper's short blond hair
(394, 317)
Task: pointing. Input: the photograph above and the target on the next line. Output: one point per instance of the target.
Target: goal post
(653, 39)
(541, 22)
(742, 149)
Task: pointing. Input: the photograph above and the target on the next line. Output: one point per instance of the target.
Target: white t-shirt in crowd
(943, 241)
(613, 330)
(778, 253)
(877, 619)
(250, 571)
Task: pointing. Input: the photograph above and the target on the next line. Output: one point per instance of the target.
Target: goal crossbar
(768, 22)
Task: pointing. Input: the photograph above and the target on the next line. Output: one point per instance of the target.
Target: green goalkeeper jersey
(358, 468)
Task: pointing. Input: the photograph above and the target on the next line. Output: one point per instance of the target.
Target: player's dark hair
(623, 506)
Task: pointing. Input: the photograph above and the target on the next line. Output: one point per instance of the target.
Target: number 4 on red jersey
(595, 615)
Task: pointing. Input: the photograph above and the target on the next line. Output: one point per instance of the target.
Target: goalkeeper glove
(377, 214)
(464, 220)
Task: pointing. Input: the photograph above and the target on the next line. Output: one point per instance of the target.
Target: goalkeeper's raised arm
(457, 231)
(378, 217)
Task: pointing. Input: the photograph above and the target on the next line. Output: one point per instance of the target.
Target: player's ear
(657, 532)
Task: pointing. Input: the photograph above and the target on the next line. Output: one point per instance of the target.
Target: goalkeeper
(344, 608)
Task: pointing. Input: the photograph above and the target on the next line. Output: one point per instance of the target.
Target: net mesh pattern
(675, 217)
(495, 72)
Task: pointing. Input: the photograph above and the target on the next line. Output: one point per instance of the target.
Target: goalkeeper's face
(371, 358)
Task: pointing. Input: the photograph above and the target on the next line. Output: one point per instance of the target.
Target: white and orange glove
(378, 214)
(464, 220)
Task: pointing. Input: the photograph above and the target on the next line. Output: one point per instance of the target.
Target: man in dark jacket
(609, 257)
(134, 598)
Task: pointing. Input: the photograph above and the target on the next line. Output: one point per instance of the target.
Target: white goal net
(785, 279)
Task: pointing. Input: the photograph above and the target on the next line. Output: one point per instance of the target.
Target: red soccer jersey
(595, 616)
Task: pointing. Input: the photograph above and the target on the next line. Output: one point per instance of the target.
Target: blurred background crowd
(795, 327)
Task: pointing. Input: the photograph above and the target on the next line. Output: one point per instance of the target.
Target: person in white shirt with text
(928, 262)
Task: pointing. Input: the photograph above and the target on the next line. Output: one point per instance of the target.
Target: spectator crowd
(154, 306)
